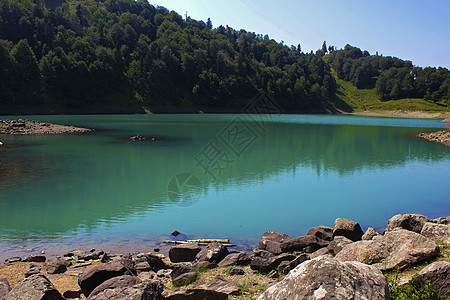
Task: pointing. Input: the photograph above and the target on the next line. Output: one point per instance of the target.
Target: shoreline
(402, 114)
(180, 272)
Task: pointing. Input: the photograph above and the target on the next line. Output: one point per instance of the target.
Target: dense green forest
(96, 53)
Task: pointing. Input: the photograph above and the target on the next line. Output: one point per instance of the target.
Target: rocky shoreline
(281, 267)
(442, 137)
(27, 127)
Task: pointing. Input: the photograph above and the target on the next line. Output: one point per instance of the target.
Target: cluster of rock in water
(327, 263)
(22, 126)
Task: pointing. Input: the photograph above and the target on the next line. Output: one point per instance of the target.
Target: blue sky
(414, 30)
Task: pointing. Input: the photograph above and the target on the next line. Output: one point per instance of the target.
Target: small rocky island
(412, 256)
(24, 127)
(442, 137)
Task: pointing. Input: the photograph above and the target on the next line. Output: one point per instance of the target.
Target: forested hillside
(391, 77)
(95, 53)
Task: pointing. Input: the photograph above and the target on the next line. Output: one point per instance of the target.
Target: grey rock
(213, 253)
(32, 271)
(240, 258)
(115, 289)
(115, 282)
(300, 243)
(185, 279)
(322, 232)
(4, 287)
(327, 278)
(220, 285)
(294, 263)
(321, 251)
(349, 229)
(399, 248)
(412, 222)
(264, 253)
(438, 274)
(92, 278)
(55, 266)
(36, 287)
(338, 243)
(266, 265)
(369, 234)
(436, 232)
(183, 252)
(271, 241)
(442, 220)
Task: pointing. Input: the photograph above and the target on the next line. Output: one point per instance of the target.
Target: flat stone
(220, 285)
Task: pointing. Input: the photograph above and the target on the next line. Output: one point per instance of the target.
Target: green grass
(367, 99)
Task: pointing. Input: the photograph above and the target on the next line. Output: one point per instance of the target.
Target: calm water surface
(217, 176)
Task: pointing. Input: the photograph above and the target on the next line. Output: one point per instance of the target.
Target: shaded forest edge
(124, 56)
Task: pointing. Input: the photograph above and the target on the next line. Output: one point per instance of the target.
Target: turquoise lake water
(217, 176)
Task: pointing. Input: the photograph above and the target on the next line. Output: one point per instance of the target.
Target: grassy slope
(367, 99)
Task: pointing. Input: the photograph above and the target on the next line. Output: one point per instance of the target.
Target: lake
(212, 176)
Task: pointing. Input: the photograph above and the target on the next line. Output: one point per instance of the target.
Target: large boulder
(395, 249)
(92, 278)
(349, 229)
(271, 241)
(411, 222)
(436, 232)
(322, 232)
(438, 274)
(183, 252)
(127, 287)
(4, 287)
(327, 278)
(36, 287)
(239, 258)
(300, 243)
(213, 253)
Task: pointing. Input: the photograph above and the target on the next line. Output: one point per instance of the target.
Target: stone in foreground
(127, 287)
(349, 229)
(35, 287)
(327, 278)
(183, 252)
(89, 280)
(438, 274)
(395, 249)
(4, 287)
